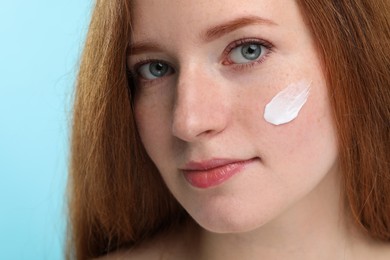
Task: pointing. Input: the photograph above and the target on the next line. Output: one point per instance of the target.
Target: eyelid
(134, 70)
(225, 55)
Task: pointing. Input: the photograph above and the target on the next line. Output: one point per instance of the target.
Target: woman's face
(206, 70)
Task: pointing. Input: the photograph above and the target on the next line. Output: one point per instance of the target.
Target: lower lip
(213, 177)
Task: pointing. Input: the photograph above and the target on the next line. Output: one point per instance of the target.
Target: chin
(225, 225)
(224, 220)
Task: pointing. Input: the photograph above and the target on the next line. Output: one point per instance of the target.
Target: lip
(213, 172)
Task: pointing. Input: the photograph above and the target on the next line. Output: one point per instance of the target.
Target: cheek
(309, 142)
(144, 119)
(152, 123)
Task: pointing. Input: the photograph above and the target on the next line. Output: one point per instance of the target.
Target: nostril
(207, 132)
(192, 128)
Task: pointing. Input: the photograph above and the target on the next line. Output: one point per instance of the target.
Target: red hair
(116, 196)
(353, 39)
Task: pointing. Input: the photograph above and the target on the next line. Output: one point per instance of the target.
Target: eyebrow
(230, 26)
(209, 35)
(141, 47)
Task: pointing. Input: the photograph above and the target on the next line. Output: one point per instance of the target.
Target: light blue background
(40, 44)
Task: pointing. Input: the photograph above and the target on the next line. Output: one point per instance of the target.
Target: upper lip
(210, 164)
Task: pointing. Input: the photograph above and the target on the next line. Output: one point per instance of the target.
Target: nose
(202, 105)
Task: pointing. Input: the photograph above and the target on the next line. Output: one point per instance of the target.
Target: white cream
(285, 106)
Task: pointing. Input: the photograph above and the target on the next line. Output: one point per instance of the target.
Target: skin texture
(287, 202)
(207, 110)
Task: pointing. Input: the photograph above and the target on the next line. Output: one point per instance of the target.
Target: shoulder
(370, 248)
(381, 251)
(175, 244)
(152, 251)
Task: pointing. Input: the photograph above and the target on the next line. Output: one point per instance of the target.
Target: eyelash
(268, 46)
(139, 63)
(134, 71)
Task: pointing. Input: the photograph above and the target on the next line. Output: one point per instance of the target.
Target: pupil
(159, 66)
(251, 52)
(158, 69)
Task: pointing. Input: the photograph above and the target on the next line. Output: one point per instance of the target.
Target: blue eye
(153, 70)
(247, 53)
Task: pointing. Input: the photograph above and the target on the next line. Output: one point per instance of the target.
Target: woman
(233, 129)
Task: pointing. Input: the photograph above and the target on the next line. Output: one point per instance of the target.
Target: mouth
(213, 172)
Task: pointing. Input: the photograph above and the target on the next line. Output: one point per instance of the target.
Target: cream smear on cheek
(285, 106)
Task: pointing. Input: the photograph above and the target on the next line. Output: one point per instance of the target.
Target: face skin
(208, 106)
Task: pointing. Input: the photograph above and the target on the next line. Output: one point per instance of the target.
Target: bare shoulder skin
(175, 244)
(182, 245)
(185, 242)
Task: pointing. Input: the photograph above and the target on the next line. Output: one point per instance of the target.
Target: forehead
(183, 19)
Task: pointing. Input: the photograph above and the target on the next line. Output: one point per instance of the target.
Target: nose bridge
(201, 106)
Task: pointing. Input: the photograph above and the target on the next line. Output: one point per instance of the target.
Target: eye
(246, 53)
(153, 70)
